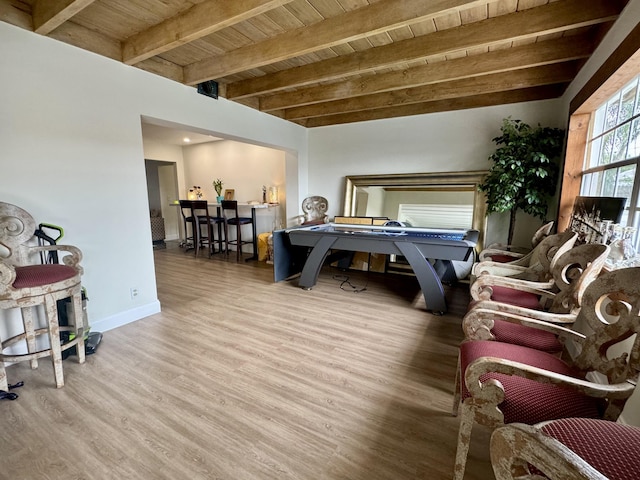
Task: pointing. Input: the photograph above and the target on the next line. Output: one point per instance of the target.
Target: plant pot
(219, 198)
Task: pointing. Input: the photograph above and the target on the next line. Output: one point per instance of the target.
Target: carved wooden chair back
(315, 210)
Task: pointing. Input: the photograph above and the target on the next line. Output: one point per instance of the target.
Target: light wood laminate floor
(240, 378)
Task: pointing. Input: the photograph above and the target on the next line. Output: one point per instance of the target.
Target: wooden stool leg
(51, 312)
(78, 323)
(30, 333)
(4, 384)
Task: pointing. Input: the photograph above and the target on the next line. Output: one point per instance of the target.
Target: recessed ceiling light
(186, 139)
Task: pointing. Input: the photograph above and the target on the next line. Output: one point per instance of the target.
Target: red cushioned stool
(25, 285)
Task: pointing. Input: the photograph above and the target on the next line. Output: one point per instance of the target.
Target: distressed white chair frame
(536, 265)
(514, 251)
(613, 294)
(572, 273)
(17, 228)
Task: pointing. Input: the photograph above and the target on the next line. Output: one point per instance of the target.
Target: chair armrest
(73, 259)
(485, 365)
(478, 322)
(489, 251)
(517, 445)
(481, 288)
(507, 270)
(7, 275)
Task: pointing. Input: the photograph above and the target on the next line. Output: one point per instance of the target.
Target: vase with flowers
(217, 186)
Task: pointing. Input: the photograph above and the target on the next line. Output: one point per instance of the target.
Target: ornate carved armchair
(566, 449)
(500, 383)
(26, 283)
(536, 265)
(498, 252)
(511, 322)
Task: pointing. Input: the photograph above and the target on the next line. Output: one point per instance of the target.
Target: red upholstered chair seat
(39, 275)
(525, 336)
(528, 401)
(515, 297)
(611, 448)
(499, 258)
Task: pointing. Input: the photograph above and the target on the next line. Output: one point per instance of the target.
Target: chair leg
(238, 241)
(51, 312)
(457, 393)
(30, 333)
(78, 315)
(4, 384)
(464, 439)
(226, 238)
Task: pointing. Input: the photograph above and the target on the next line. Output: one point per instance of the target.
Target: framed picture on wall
(229, 194)
(589, 212)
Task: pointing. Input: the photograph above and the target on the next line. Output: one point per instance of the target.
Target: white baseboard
(128, 316)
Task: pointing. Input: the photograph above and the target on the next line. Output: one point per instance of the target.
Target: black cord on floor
(347, 286)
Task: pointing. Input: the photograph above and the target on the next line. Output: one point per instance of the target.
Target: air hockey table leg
(427, 278)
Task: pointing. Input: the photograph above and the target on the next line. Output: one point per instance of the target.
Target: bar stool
(26, 286)
(230, 213)
(187, 219)
(201, 216)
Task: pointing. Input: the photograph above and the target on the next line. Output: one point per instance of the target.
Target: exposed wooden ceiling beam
(513, 80)
(50, 14)
(162, 67)
(82, 37)
(200, 20)
(552, 18)
(476, 101)
(548, 52)
(14, 15)
(352, 25)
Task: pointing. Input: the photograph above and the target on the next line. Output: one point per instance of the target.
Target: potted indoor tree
(217, 186)
(525, 169)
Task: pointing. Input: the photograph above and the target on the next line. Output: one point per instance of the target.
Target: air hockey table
(417, 245)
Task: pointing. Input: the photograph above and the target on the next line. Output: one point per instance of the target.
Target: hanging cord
(347, 286)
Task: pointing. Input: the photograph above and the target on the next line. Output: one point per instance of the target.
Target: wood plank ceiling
(326, 62)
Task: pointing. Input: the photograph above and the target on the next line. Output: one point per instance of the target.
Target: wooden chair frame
(614, 294)
(17, 228)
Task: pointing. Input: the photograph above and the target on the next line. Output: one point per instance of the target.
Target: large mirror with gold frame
(431, 200)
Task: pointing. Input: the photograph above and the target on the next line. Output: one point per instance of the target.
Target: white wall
(440, 142)
(72, 154)
(242, 167)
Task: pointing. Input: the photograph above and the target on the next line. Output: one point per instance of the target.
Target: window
(613, 152)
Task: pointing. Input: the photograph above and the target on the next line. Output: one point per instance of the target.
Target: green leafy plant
(525, 169)
(217, 186)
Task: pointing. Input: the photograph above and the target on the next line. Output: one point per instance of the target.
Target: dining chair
(500, 383)
(566, 449)
(202, 218)
(232, 217)
(26, 283)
